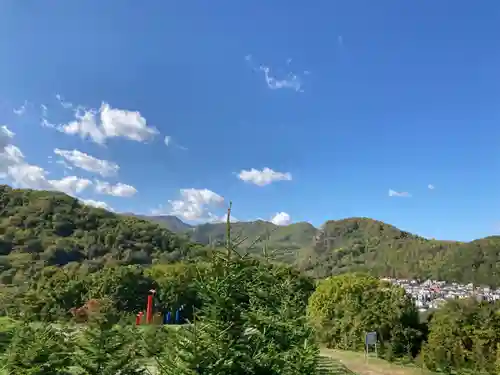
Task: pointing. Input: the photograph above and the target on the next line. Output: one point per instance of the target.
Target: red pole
(138, 319)
(149, 309)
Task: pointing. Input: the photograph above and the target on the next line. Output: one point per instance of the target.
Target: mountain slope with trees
(363, 244)
(172, 223)
(40, 228)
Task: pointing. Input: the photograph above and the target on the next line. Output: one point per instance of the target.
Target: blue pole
(165, 319)
(168, 317)
(177, 316)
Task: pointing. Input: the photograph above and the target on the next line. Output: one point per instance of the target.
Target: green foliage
(104, 348)
(37, 350)
(126, 286)
(284, 240)
(343, 308)
(40, 228)
(366, 245)
(7, 330)
(463, 335)
(249, 322)
(177, 286)
(363, 245)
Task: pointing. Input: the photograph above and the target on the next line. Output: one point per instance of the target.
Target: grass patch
(358, 364)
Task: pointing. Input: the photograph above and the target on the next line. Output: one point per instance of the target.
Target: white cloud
(25, 175)
(263, 177)
(10, 155)
(44, 109)
(431, 187)
(5, 137)
(127, 124)
(281, 218)
(30, 176)
(108, 122)
(222, 218)
(287, 81)
(117, 190)
(403, 194)
(70, 185)
(98, 204)
(64, 164)
(291, 81)
(21, 110)
(193, 205)
(64, 103)
(167, 140)
(88, 163)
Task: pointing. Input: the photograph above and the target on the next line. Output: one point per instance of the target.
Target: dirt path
(357, 363)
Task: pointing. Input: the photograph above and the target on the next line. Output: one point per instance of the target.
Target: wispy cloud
(401, 194)
(276, 81)
(170, 142)
(291, 81)
(88, 162)
(430, 187)
(21, 110)
(64, 103)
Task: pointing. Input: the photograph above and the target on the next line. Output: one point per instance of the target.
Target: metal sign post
(370, 340)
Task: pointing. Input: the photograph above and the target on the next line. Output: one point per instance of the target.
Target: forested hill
(40, 228)
(360, 244)
(363, 244)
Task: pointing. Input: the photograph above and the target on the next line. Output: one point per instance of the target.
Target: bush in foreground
(248, 324)
(463, 335)
(343, 308)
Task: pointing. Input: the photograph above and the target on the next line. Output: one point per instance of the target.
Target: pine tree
(37, 350)
(247, 325)
(105, 348)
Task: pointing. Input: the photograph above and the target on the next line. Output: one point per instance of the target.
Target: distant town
(431, 294)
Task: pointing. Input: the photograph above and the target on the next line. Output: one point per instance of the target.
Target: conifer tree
(37, 350)
(246, 325)
(105, 348)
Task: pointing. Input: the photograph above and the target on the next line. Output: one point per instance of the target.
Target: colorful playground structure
(164, 317)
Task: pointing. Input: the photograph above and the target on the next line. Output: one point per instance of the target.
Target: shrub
(343, 308)
(463, 335)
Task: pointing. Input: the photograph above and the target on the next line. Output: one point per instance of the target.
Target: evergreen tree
(105, 348)
(37, 350)
(247, 324)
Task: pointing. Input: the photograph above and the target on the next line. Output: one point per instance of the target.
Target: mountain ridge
(42, 228)
(364, 245)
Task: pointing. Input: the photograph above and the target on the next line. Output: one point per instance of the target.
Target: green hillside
(40, 228)
(363, 244)
(172, 223)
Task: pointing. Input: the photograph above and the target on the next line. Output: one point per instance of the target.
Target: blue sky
(343, 101)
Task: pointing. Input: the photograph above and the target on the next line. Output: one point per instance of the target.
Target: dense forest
(39, 229)
(360, 244)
